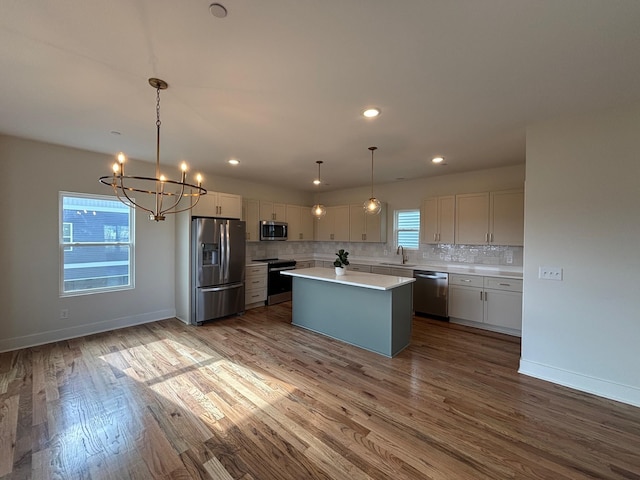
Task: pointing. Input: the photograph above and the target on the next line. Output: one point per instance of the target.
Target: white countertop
(355, 279)
(502, 271)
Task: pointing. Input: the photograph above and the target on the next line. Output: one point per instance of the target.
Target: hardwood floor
(253, 397)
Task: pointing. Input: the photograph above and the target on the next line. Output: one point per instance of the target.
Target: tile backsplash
(463, 254)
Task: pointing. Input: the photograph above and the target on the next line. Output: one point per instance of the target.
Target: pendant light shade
(373, 205)
(318, 210)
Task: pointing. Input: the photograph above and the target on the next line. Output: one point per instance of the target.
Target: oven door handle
(281, 269)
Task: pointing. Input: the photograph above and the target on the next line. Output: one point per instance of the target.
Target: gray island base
(367, 310)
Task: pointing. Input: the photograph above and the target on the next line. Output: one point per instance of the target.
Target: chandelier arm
(120, 187)
(175, 204)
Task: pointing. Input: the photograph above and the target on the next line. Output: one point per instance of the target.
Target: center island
(367, 310)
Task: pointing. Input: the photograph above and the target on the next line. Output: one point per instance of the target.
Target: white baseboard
(26, 341)
(596, 386)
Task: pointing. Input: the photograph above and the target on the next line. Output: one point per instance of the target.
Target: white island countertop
(355, 279)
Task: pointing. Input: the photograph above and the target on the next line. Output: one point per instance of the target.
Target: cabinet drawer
(359, 268)
(381, 270)
(255, 282)
(255, 295)
(255, 270)
(497, 283)
(466, 280)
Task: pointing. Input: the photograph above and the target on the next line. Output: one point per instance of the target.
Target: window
(407, 228)
(96, 244)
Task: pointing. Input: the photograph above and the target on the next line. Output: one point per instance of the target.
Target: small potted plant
(341, 262)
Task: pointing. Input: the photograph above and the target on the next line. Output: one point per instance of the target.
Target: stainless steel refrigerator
(218, 256)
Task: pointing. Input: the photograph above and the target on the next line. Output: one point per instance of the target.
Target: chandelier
(372, 206)
(161, 195)
(318, 210)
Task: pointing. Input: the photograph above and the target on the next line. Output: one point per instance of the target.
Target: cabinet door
(376, 226)
(357, 227)
(207, 206)
(279, 212)
(429, 220)
(507, 218)
(324, 226)
(472, 219)
(306, 223)
(251, 216)
(229, 205)
(466, 303)
(341, 223)
(293, 219)
(446, 219)
(503, 309)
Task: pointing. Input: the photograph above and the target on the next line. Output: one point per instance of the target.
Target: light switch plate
(550, 273)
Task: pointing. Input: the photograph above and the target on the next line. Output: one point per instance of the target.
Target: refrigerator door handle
(220, 289)
(224, 252)
(227, 235)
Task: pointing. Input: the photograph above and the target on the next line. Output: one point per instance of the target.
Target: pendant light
(372, 206)
(158, 188)
(318, 210)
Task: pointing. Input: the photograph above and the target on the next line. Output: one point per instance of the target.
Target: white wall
(582, 213)
(31, 175)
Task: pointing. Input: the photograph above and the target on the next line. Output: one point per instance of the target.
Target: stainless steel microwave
(273, 230)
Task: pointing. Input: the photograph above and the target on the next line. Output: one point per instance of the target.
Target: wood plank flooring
(253, 397)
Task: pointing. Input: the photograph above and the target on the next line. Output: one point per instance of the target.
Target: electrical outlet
(386, 252)
(64, 314)
(550, 273)
(424, 254)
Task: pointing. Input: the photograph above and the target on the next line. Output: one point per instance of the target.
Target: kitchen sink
(390, 264)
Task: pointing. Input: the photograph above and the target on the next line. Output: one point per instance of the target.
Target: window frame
(68, 246)
(397, 229)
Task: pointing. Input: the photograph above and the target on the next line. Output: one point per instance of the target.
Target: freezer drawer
(216, 302)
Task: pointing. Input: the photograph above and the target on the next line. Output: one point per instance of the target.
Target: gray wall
(582, 213)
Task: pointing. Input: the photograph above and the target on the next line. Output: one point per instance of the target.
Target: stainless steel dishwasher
(431, 294)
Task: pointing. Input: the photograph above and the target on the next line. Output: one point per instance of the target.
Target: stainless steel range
(278, 286)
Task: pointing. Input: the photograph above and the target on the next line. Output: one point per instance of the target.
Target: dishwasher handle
(430, 275)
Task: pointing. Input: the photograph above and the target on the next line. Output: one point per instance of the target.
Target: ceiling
(281, 84)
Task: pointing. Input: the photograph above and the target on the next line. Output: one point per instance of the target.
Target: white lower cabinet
(255, 286)
(493, 303)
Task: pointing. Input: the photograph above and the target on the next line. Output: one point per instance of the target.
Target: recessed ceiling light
(371, 112)
(437, 159)
(233, 161)
(218, 10)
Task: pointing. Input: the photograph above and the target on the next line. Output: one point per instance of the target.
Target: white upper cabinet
(506, 219)
(300, 223)
(437, 219)
(367, 228)
(251, 216)
(334, 226)
(218, 204)
(495, 218)
(273, 211)
(472, 218)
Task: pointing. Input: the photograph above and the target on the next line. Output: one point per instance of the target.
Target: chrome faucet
(404, 257)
